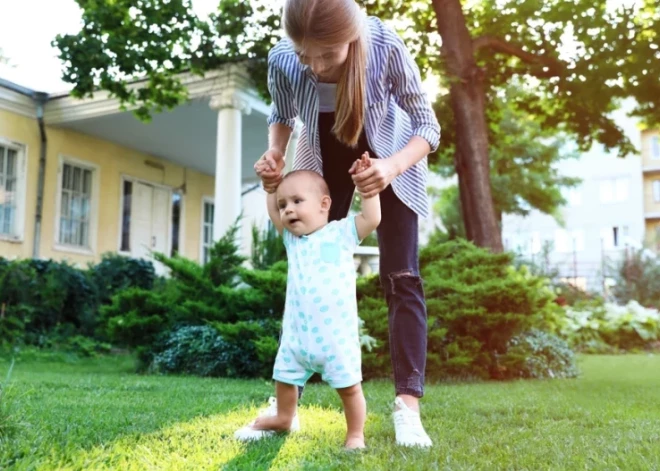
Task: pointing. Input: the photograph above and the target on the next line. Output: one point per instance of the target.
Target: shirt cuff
(430, 134)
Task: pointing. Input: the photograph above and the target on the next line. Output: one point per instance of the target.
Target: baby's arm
(369, 219)
(274, 212)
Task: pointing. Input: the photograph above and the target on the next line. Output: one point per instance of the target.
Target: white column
(228, 159)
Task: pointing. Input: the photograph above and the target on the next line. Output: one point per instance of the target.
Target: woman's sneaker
(408, 426)
(247, 433)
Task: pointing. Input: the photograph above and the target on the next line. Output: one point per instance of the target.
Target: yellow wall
(646, 148)
(112, 161)
(650, 205)
(653, 234)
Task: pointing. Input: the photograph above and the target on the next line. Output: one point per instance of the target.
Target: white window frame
(655, 187)
(573, 196)
(129, 178)
(619, 190)
(211, 200)
(574, 241)
(93, 206)
(18, 233)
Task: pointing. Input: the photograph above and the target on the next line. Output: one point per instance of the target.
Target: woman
(357, 89)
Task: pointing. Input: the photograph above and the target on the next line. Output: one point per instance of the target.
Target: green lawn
(97, 414)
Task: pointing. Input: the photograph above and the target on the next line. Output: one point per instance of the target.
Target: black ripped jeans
(399, 259)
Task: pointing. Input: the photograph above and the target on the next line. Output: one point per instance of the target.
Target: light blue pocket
(330, 252)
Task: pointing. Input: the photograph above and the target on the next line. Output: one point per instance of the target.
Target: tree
(575, 59)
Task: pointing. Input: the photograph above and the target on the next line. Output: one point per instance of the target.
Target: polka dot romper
(320, 325)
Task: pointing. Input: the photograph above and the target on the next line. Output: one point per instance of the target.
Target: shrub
(116, 272)
(537, 354)
(607, 327)
(476, 303)
(637, 278)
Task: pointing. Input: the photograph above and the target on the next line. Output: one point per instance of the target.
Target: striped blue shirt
(397, 108)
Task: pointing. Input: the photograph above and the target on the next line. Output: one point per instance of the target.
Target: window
(572, 241)
(614, 237)
(8, 190)
(75, 205)
(655, 147)
(614, 190)
(656, 191)
(126, 217)
(176, 222)
(573, 196)
(207, 230)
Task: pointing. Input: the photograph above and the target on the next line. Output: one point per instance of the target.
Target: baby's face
(301, 206)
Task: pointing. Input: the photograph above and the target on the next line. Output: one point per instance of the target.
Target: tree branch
(554, 66)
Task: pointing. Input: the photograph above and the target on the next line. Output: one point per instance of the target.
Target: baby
(320, 324)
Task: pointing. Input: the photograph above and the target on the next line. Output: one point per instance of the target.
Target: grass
(96, 414)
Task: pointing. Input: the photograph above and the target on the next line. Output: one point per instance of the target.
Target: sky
(25, 40)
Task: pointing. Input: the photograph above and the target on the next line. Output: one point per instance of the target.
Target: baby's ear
(326, 202)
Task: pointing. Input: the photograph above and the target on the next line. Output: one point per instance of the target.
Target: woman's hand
(374, 179)
(269, 168)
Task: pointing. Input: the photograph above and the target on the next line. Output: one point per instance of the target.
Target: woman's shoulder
(281, 52)
(381, 35)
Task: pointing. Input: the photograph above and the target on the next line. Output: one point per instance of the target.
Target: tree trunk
(468, 101)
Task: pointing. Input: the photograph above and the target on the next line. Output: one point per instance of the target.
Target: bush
(537, 354)
(606, 327)
(116, 273)
(476, 303)
(637, 279)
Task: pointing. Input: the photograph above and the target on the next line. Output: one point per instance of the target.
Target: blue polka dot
(344, 315)
(301, 315)
(292, 339)
(315, 330)
(336, 332)
(312, 357)
(303, 352)
(345, 375)
(317, 261)
(300, 276)
(323, 269)
(340, 367)
(340, 302)
(335, 292)
(342, 341)
(303, 290)
(319, 339)
(317, 299)
(312, 290)
(327, 281)
(286, 359)
(304, 328)
(331, 358)
(304, 252)
(328, 320)
(324, 308)
(342, 275)
(326, 348)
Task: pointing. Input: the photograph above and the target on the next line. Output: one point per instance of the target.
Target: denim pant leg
(399, 276)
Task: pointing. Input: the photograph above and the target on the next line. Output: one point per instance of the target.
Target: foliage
(637, 278)
(605, 327)
(116, 272)
(196, 350)
(476, 303)
(574, 60)
(537, 354)
(267, 247)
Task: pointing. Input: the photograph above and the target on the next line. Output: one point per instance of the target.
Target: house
(651, 172)
(79, 178)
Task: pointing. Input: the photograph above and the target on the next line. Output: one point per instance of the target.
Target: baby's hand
(361, 164)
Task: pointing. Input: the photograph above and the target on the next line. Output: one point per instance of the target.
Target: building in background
(651, 171)
(604, 217)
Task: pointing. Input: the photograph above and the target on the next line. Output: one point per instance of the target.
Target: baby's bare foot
(354, 443)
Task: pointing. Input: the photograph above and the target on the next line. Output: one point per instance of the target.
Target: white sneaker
(408, 426)
(247, 433)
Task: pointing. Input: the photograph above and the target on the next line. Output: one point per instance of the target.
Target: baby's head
(304, 202)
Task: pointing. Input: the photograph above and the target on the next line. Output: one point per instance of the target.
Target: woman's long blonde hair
(333, 23)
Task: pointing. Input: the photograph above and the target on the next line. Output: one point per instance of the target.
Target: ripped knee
(400, 277)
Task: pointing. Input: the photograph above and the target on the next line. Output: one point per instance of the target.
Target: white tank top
(327, 96)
